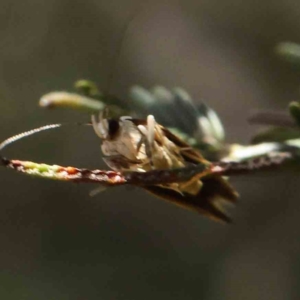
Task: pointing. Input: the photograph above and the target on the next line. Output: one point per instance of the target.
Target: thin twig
(154, 177)
(272, 118)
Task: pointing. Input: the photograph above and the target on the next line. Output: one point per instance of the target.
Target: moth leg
(95, 126)
(148, 137)
(125, 118)
(191, 186)
(140, 143)
(120, 163)
(100, 126)
(144, 140)
(151, 130)
(185, 149)
(97, 190)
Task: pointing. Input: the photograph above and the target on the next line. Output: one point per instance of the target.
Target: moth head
(105, 128)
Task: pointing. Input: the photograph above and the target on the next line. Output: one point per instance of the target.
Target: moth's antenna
(120, 46)
(27, 133)
(24, 134)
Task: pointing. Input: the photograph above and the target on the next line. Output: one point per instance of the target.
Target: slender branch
(70, 100)
(272, 118)
(154, 177)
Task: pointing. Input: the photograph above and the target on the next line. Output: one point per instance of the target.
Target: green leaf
(294, 109)
(276, 134)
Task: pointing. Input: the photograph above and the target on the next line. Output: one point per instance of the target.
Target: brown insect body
(141, 145)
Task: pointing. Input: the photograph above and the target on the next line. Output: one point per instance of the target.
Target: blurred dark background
(59, 243)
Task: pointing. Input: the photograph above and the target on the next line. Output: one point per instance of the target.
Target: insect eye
(113, 127)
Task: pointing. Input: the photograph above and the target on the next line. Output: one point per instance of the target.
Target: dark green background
(56, 242)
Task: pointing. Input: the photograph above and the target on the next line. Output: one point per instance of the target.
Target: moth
(130, 144)
(145, 154)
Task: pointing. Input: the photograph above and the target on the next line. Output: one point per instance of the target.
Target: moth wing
(201, 203)
(188, 153)
(214, 192)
